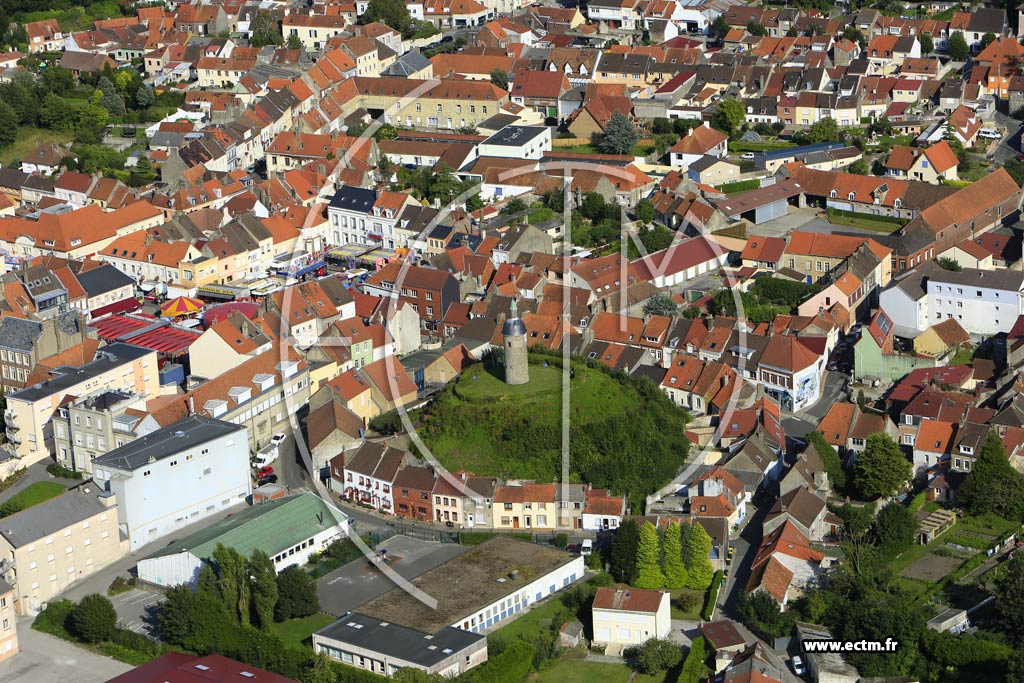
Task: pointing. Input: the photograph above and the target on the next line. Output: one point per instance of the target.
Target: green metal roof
(271, 527)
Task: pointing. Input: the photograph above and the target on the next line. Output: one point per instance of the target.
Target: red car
(264, 471)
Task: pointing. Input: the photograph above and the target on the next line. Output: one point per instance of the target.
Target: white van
(587, 547)
(267, 455)
(989, 133)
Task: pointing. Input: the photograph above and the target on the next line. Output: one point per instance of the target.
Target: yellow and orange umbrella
(183, 305)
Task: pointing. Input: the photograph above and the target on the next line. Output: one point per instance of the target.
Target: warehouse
(288, 530)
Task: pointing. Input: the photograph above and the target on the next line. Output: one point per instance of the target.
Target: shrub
(693, 663)
(387, 423)
(562, 541)
(121, 585)
(55, 619)
(474, 537)
(686, 601)
(657, 655)
(58, 470)
(94, 619)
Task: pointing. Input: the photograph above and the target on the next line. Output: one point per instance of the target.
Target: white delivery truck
(267, 455)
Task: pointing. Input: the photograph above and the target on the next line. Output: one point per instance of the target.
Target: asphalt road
(355, 584)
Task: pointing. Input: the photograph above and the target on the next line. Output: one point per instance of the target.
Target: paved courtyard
(355, 584)
(45, 659)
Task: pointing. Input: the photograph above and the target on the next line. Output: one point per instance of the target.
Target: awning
(122, 306)
(216, 293)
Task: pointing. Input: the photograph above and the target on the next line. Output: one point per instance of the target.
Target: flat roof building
(384, 647)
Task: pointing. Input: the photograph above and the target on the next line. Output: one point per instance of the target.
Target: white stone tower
(516, 357)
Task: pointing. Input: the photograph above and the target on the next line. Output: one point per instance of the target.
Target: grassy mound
(624, 433)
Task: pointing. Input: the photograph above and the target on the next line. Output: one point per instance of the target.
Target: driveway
(355, 584)
(45, 659)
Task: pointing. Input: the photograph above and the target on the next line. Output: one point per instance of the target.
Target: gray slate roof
(19, 334)
(49, 517)
(104, 279)
(66, 376)
(187, 432)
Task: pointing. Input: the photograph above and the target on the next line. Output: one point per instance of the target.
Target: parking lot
(355, 584)
(134, 610)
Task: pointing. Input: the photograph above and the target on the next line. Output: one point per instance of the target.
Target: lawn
(858, 222)
(30, 138)
(692, 614)
(586, 148)
(526, 626)
(33, 495)
(484, 385)
(297, 631)
(575, 671)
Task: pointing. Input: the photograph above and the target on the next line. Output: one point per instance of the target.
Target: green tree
(514, 206)
(393, 13)
(756, 29)
(648, 556)
(8, 124)
(622, 558)
(645, 211)
(296, 594)
(293, 42)
(1016, 170)
(474, 203)
(860, 167)
(927, 44)
(946, 263)
(957, 48)
(672, 562)
(881, 469)
(660, 304)
(57, 80)
(993, 485)
(263, 576)
(657, 238)
(719, 27)
(233, 579)
(143, 173)
(499, 77)
(1009, 598)
(110, 99)
(56, 113)
(854, 35)
(894, 529)
(830, 459)
(987, 39)
(94, 619)
(825, 130)
(145, 97)
(701, 571)
(266, 30)
(658, 655)
(728, 116)
(620, 135)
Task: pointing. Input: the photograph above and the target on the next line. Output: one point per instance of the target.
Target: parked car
(269, 479)
(265, 471)
(587, 547)
(747, 155)
(989, 133)
(276, 439)
(798, 665)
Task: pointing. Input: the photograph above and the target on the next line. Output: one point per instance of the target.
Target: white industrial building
(288, 530)
(176, 476)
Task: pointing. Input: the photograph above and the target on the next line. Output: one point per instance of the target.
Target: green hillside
(625, 434)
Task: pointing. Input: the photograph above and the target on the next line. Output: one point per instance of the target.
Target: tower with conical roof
(513, 334)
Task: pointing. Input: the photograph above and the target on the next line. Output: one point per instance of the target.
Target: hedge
(694, 660)
(475, 537)
(511, 666)
(740, 186)
(709, 606)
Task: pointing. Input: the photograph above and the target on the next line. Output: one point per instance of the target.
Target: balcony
(12, 437)
(10, 415)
